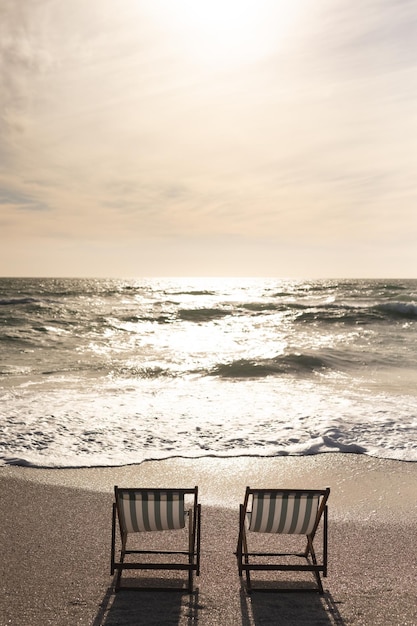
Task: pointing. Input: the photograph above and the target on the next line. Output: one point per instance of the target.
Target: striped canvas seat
(288, 513)
(142, 511)
(283, 512)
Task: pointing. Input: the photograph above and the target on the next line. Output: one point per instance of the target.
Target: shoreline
(222, 481)
(55, 527)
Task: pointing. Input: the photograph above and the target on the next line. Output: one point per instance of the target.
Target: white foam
(156, 419)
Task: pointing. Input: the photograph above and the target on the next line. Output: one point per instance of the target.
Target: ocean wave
(117, 372)
(336, 314)
(135, 319)
(203, 314)
(398, 309)
(261, 306)
(13, 339)
(17, 301)
(194, 292)
(353, 315)
(322, 313)
(284, 364)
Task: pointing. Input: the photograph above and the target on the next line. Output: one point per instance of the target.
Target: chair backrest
(142, 510)
(284, 511)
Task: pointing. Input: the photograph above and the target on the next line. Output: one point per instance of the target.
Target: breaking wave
(287, 364)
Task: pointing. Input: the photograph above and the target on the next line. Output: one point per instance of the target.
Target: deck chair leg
(113, 540)
(325, 522)
(191, 544)
(239, 547)
(319, 583)
(118, 577)
(248, 583)
(310, 551)
(242, 550)
(122, 557)
(198, 538)
(246, 558)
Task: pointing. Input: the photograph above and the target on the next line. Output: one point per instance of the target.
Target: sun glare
(224, 33)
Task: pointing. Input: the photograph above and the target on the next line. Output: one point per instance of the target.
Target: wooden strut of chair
(283, 512)
(140, 510)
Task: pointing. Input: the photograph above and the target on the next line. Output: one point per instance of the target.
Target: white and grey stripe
(150, 510)
(291, 513)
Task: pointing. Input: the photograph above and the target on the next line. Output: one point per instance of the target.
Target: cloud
(114, 136)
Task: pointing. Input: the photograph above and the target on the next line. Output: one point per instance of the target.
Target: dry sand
(55, 530)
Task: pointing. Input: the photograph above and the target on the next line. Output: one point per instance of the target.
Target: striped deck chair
(283, 512)
(141, 511)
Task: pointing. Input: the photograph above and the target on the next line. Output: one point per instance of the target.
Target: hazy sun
(231, 32)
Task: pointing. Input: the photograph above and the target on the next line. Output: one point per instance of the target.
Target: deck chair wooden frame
(283, 512)
(140, 510)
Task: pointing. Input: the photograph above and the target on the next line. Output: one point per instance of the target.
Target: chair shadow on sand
(293, 607)
(149, 606)
(175, 605)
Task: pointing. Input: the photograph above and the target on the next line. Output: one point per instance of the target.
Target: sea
(97, 372)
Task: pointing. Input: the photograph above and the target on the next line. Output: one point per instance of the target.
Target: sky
(144, 138)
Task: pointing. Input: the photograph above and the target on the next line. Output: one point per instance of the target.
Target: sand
(55, 531)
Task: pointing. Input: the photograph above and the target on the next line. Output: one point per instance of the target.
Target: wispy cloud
(115, 135)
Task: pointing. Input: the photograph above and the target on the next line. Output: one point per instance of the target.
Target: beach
(56, 527)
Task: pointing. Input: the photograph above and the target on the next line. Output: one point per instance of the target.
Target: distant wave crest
(285, 364)
(356, 315)
(261, 306)
(399, 309)
(195, 292)
(202, 315)
(16, 301)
